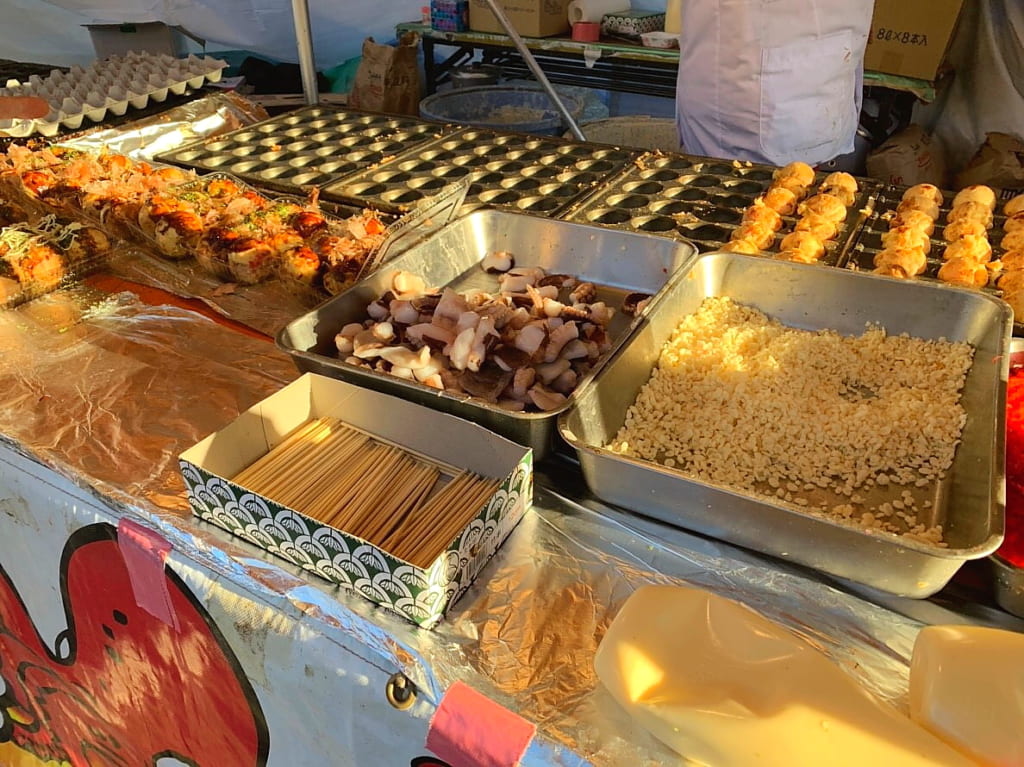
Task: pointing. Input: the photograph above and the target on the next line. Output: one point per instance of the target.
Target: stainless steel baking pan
(617, 262)
(1008, 579)
(702, 200)
(969, 502)
(504, 170)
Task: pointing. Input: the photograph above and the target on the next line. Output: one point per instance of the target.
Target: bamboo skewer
(289, 463)
(390, 519)
(432, 546)
(325, 470)
(430, 514)
(288, 485)
(394, 498)
(255, 470)
(328, 505)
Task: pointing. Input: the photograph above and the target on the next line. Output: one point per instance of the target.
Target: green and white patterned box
(421, 596)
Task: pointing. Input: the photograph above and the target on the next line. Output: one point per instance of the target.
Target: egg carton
(701, 200)
(110, 86)
(502, 170)
(869, 239)
(313, 146)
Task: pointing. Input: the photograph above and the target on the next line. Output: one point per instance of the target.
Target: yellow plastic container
(672, 13)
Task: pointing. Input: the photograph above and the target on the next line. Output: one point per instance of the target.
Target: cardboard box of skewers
(403, 504)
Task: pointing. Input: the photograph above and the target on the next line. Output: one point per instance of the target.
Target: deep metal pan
(969, 502)
(618, 263)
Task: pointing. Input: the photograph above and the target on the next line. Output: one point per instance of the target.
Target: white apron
(771, 81)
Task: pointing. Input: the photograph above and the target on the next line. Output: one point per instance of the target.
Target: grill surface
(699, 199)
(504, 170)
(314, 146)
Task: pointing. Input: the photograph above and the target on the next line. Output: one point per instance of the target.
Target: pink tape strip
(144, 553)
(470, 730)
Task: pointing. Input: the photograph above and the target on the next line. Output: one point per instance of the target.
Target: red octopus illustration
(123, 687)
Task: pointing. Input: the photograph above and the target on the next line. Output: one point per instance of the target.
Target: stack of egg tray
(313, 146)
(505, 170)
(701, 200)
(80, 97)
(869, 239)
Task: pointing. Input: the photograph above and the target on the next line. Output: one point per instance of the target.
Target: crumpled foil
(209, 115)
(266, 307)
(108, 391)
(111, 390)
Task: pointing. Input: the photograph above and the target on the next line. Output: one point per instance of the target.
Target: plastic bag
(909, 157)
(999, 163)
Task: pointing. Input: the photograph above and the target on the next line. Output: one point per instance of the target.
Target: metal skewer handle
(531, 62)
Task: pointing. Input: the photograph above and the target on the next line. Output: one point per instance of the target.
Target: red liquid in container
(1012, 549)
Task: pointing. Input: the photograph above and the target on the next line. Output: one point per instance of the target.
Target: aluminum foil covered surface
(266, 307)
(108, 391)
(209, 115)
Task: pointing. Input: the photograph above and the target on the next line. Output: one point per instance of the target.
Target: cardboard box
(153, 37)
(530, 18)
(910, 37)
(421, 596)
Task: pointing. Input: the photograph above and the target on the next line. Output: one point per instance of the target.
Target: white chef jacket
(771, 81)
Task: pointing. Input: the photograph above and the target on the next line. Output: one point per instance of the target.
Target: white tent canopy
(50, 31)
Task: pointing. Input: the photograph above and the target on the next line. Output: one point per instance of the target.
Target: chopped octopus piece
(525, 348)
(407, 285)
(488, 383)
(558, 338)
(546, 399)
(530, 338)
(498, 261)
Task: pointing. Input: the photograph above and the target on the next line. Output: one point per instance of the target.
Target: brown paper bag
(908, 157)
(388, 77)
(999, 163)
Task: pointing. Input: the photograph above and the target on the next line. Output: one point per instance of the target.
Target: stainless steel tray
(1008, 579)
(700, 199)
(313, 146)
(506, 170)
(969, 503)
(617, 262)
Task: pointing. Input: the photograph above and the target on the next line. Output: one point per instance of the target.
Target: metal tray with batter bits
(618, 263)
(313, 146)
(968, 503)
(869, 239)
(701, 200)
(508, 170)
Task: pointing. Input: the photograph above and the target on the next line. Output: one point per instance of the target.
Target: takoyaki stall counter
(136, 632)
